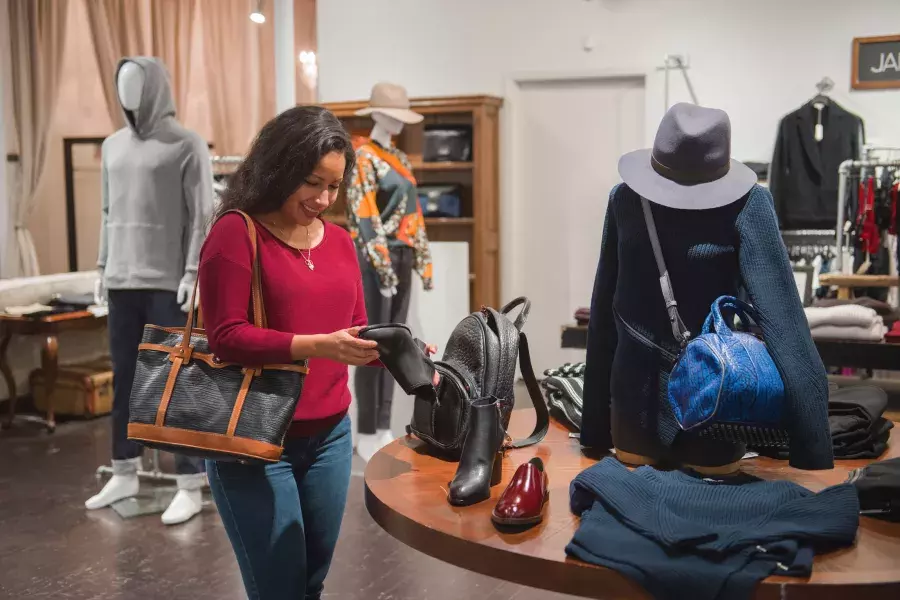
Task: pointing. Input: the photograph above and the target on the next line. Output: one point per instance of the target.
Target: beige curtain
(37, 30)
(117, 30)
(240, 62)
(171, 27)
(160, 28)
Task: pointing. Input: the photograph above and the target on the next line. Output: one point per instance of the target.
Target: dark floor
(51, 547)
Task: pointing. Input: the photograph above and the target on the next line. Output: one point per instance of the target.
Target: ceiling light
(257, 15)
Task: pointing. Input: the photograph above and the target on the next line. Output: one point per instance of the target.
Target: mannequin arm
(769, 280)
(197, 185)
(364, 222)
(104, 213)
(602, 340)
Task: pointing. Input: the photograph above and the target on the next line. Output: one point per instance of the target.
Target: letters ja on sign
(888, 61)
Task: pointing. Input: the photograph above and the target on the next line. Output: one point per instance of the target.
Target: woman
(283, 519)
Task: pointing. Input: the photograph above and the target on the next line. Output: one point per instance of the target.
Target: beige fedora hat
(391, 99)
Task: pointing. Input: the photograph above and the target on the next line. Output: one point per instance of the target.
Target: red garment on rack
(869, 235)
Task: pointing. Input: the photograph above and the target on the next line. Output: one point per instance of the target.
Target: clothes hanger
(823, 87)
(820, 102)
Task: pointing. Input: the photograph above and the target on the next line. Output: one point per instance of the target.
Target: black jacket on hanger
(804, 173)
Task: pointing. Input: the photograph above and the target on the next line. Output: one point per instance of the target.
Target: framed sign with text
(876, 62)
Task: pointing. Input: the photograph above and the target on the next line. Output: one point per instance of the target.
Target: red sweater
(298, 301)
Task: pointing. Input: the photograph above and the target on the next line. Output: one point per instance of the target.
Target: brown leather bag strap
(256, 295)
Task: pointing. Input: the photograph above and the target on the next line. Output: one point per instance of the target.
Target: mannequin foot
(124, 483)
(117, 488)
(184, 505)
(367, 445)
(385, 437)
(635, 460)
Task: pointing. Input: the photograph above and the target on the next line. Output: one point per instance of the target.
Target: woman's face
(317, 192)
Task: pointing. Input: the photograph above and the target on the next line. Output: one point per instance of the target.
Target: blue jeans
(283, 519)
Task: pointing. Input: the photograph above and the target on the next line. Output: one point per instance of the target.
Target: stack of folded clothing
(564, 391)
(858, 427)
(878, 487)
(583, 316)
(846, 322)
(683, 536)
(884, 310)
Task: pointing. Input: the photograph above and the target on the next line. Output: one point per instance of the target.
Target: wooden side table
(49, 328)
(846, 283)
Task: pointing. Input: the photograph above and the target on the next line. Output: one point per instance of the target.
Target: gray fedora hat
(690, 164)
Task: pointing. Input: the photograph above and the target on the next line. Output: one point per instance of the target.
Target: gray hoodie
(156, 189)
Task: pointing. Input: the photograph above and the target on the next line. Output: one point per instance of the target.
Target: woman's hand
(346, 347)
(431, 350)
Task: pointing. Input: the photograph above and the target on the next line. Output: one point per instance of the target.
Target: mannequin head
(294, 169)
(130, 85)
(388, 123)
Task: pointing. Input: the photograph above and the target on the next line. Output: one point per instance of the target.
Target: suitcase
(82, 390)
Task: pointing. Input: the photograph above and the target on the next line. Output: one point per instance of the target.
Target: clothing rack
(813, 241)
(225, 160)
(225, 164)
(844, 171)
(676, 62)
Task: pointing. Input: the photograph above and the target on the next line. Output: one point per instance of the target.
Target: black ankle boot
(403, 356)
(480, 467)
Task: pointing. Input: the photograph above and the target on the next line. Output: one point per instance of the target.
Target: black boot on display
(403, 356)
(480, 464)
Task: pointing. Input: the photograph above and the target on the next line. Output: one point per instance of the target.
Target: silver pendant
(311, 266)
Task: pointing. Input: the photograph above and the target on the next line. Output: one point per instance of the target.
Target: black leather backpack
(479, 361)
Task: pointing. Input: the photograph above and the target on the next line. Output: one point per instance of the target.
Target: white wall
(756, 59)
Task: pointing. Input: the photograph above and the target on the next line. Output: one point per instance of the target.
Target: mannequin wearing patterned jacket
(385, 220)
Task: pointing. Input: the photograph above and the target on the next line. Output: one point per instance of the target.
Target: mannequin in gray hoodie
(156, 188)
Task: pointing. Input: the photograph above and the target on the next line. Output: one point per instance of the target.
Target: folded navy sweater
(683, 536)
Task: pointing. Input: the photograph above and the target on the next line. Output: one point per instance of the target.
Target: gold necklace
(308, 258)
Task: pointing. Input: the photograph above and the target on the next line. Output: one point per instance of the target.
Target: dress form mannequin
(384, 215)
(157, 199)
(385, 128)
(130, 85)
(718, 234)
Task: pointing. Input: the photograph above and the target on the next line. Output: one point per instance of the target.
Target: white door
(569, 137)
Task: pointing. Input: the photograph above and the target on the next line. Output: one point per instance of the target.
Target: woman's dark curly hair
(284, 153)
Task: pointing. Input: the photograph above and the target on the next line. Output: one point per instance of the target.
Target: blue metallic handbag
(724, 383)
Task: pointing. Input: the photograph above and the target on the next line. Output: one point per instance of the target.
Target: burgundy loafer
(524, 499)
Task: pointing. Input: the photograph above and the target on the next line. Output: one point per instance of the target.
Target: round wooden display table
(406, 493)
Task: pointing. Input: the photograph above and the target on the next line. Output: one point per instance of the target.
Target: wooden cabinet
(478, 179)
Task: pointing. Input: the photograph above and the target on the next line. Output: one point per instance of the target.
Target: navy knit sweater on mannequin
(709, 253)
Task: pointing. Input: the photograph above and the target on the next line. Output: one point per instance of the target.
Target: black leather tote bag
(186, 400)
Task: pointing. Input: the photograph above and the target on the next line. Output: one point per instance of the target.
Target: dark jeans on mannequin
(374, 386)
(129, 311)
(283, 519)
